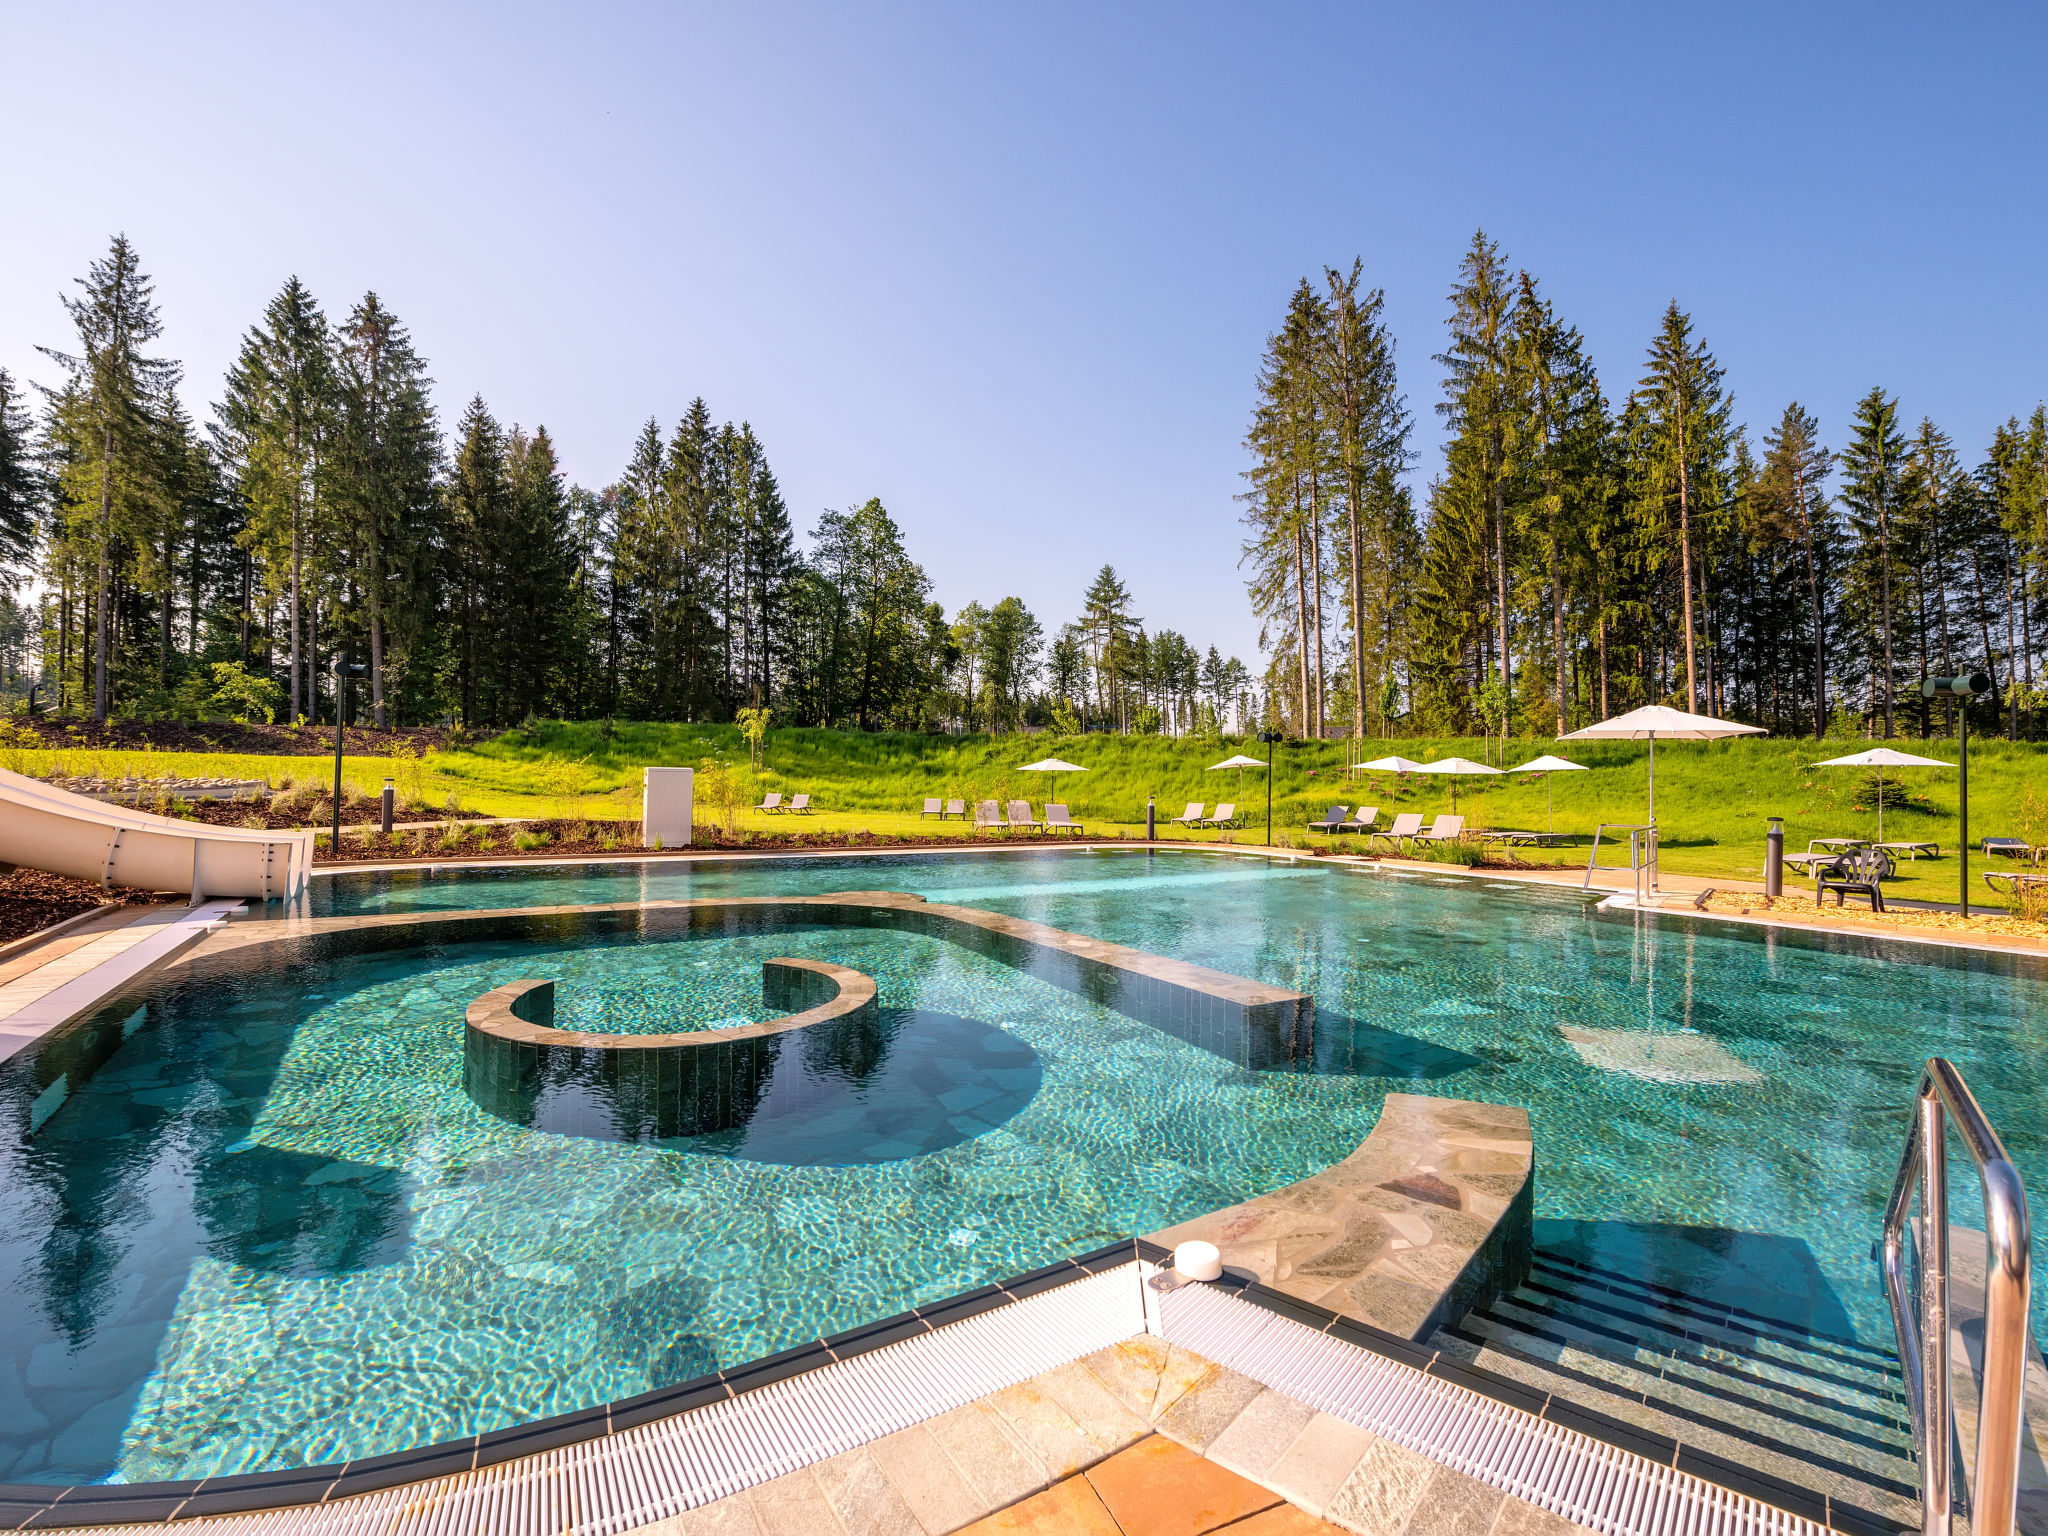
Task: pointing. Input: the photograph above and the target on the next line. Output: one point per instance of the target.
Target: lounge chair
(1059, 819)
(770, 802)
(1405, 826)
(1188, 817)
(1361, 820)
(1020, 816)
(1445, 829)
(1226, 816)
(1860, 870)
(956, 808)
(932, 808)
(1333, 820)
(800, 806)
(988, 814)
(2012, 847)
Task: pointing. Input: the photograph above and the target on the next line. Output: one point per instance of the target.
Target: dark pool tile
(1152, 1253)
(967, 1304)
(1307, 1313)
(20, 1502)
(375, 1472)
(1486, 1384)
(107, 1504)
(1050, 1278)
(1109, 1256)
(541, 1435)
(777, 1367)
(868, 1336)
(1861, 1522)
(1389, 1346)
(1661, 1449)
(632, 1412)
(1737, 1478)
(260, 1490)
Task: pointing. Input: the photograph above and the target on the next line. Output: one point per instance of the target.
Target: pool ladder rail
(1925, 1323)
(1642, 855)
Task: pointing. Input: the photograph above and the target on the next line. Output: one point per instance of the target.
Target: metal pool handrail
(1922, 1324)
(1642, 852)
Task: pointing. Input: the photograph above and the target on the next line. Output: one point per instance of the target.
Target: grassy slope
(1713, 797)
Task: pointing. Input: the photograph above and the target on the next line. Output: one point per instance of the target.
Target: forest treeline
(1582, 549)
(324, 513)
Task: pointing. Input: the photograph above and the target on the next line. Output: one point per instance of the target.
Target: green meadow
(1713, 798)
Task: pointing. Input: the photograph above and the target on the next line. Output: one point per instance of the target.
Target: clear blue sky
(1010, 268)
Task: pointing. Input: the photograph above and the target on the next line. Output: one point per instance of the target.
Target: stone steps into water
(1823, 1412)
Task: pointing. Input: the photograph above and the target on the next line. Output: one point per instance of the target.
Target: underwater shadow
(1345, 1046)
(1771, 1277)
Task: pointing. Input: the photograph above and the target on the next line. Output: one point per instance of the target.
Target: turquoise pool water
(272, 1229)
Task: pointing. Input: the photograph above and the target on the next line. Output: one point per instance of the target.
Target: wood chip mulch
(31, 901)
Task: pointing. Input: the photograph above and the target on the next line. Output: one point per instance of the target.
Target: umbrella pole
(1550, 801)
(1880, 802)
(1653, 810)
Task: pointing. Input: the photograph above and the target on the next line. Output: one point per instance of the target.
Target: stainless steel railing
(1924, 1322)
(1642, 853)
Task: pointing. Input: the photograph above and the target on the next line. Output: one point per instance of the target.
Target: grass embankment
(1713, 798)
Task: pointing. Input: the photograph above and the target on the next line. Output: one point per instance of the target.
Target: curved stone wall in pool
(518, 1066)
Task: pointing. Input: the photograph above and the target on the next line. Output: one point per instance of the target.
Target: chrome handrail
(1642, 852)
(1923, 1330)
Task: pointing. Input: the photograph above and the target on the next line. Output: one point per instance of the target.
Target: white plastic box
(665, 803)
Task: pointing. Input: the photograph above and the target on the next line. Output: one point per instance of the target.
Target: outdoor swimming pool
(272, 1230)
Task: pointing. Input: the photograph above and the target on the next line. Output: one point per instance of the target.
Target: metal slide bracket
(1922, 1322)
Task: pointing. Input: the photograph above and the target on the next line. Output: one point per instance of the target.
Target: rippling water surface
(273, 1230)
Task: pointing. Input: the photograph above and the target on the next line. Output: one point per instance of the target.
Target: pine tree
(1791, 505)
(111, 480)
(1687, 414)
(21, 486)
(480, 512)
(1873, 467)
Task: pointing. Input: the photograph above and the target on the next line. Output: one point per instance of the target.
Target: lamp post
(1968, 688)
(1272, 739)
(342, 672)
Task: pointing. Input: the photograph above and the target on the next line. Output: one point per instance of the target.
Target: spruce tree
(1791, 505)
(1873, 467)
(21, 485)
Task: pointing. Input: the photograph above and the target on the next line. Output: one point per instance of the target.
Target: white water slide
(47, 828)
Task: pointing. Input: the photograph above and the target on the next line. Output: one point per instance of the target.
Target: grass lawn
(1713, 798)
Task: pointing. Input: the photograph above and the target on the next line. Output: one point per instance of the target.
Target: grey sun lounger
(1361, 820)
(1059, 819)
(1188, 817)
(771, 802)
(1226, 816)
(932, 808)
(1020, 816)
(1333, 820)
(1445, 829)
(956, 808)
(1405, 826)
(800, 806)
(988, 814)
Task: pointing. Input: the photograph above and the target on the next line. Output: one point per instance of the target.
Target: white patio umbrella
(1051, 765)
(1239, 762)
(1390, 765)
(1547, 765)
(1652, 721)
(1882, 758)
(1456, 766)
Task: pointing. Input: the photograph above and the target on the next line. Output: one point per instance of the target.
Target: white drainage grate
(1608, 1490)
(610, 1485)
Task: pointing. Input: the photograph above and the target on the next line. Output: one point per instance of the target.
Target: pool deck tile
(1318, 1461)
(1383, 1491)
(939, 1494)
(1069, 1508)
(1208, 1407)
(995, 1464)
(1256, 1439)
(1158, 1488)
(790, 1505)
(863, 1497)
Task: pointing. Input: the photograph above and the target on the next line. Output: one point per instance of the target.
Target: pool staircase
(1820, 1412)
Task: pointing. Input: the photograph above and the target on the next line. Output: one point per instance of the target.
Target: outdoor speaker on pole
(1968, 687)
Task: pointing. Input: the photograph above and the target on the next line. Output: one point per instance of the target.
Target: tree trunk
(1692, 698)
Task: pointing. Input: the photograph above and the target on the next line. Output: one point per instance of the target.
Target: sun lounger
(1913, 850)
(1333, 820)
(1020, 816)
(1518, 838)
(800, 806)
(988, 814)
(2010, 882)
(956, 808)
(1188, 817)
(1445, 829)
(1361, 820)
(2012, 847)
(932, 808)
(1405, 826)
(772, 802)
(1226, 816)
(1059, 819)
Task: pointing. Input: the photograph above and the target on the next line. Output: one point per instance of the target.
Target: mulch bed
(219, 736)
(31, 900)
(281, 813)
(577, 839)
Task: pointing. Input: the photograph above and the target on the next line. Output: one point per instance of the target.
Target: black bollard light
(1149, 833)
(390, 794)
(1774, 858)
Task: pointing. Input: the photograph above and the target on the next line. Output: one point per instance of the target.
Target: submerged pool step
(1812, 1408)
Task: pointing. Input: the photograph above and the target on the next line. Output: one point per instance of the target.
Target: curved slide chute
(52, 829)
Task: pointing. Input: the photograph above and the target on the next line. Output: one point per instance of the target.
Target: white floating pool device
(1198, 1261)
